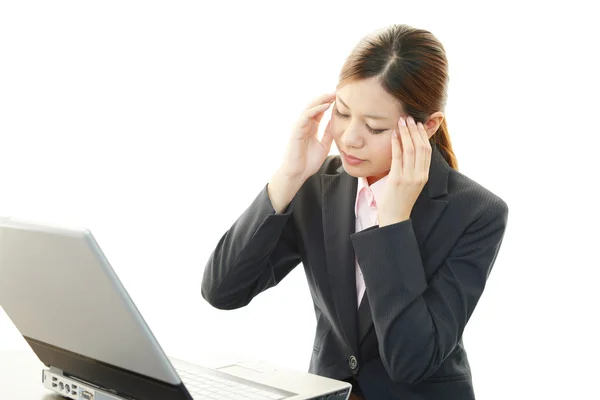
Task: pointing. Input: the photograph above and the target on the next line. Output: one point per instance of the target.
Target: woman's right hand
(305, 153)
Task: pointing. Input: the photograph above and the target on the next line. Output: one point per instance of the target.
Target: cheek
(384, 153)
(385, 147)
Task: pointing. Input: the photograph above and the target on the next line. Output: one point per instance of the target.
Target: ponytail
(442, 139)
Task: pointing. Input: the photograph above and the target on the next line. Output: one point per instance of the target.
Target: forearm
(256, 252)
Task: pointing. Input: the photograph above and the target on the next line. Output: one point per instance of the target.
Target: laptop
(65, 299)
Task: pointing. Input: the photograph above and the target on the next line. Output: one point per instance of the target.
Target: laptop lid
(63, 296)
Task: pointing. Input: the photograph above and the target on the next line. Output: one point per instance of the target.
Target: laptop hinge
(56, 371)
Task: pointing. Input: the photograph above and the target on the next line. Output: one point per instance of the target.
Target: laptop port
(87, 395)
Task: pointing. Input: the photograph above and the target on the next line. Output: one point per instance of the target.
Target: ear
(433, 123)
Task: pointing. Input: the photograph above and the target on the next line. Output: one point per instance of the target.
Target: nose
(351, 137)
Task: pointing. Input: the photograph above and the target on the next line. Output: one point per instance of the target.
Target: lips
(352, 158)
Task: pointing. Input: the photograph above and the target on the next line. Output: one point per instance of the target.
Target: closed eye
(344, 116)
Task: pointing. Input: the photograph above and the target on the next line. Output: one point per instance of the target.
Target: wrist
(281, 191)
(286, 183)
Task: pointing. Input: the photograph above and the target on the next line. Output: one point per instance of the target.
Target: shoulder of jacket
(466, 189)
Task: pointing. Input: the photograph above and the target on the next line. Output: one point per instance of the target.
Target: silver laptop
(63, 296)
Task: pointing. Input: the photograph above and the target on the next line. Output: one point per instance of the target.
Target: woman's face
(363, 118)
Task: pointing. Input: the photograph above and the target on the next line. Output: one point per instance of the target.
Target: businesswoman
(396, 244)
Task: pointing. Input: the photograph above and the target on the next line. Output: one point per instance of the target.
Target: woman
(396, 244)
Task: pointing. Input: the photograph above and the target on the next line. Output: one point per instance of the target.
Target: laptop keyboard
(203, 385)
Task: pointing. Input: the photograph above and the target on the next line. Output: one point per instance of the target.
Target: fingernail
(402, 122)
(411, 120)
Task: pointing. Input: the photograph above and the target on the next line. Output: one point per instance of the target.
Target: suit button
(353, 362)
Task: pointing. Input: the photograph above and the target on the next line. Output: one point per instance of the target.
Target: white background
(155, 124)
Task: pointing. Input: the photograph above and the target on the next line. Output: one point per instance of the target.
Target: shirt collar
(376, 189)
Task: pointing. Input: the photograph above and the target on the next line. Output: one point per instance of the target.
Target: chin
(356, 172)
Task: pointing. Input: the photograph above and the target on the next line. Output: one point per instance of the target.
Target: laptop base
(73, 388)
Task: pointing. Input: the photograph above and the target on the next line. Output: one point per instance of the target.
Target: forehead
(367, 96)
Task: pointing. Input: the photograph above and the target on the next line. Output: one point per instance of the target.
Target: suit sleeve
(419, 323)
(256, 253)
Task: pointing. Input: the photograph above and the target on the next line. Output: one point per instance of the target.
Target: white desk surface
(21, 377)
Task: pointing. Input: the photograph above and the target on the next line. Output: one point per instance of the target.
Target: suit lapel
(338, 196)
(432, 200)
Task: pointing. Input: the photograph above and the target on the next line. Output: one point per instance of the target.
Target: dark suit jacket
(423, 277)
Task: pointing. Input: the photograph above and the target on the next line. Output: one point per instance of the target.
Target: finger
(311, 113)
(396, 167)
(408, 149)
(426, 149)
(327, 97)
(415, 136)
(320, 115)
(423, 133)
(327, 138)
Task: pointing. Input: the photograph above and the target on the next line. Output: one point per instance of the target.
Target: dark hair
(411, 65)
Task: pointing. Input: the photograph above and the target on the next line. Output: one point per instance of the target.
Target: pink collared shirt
(365, 209)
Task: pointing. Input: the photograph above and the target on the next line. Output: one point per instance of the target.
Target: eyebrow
(367, 116)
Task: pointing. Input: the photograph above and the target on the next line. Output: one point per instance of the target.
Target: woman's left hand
(411, 158)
